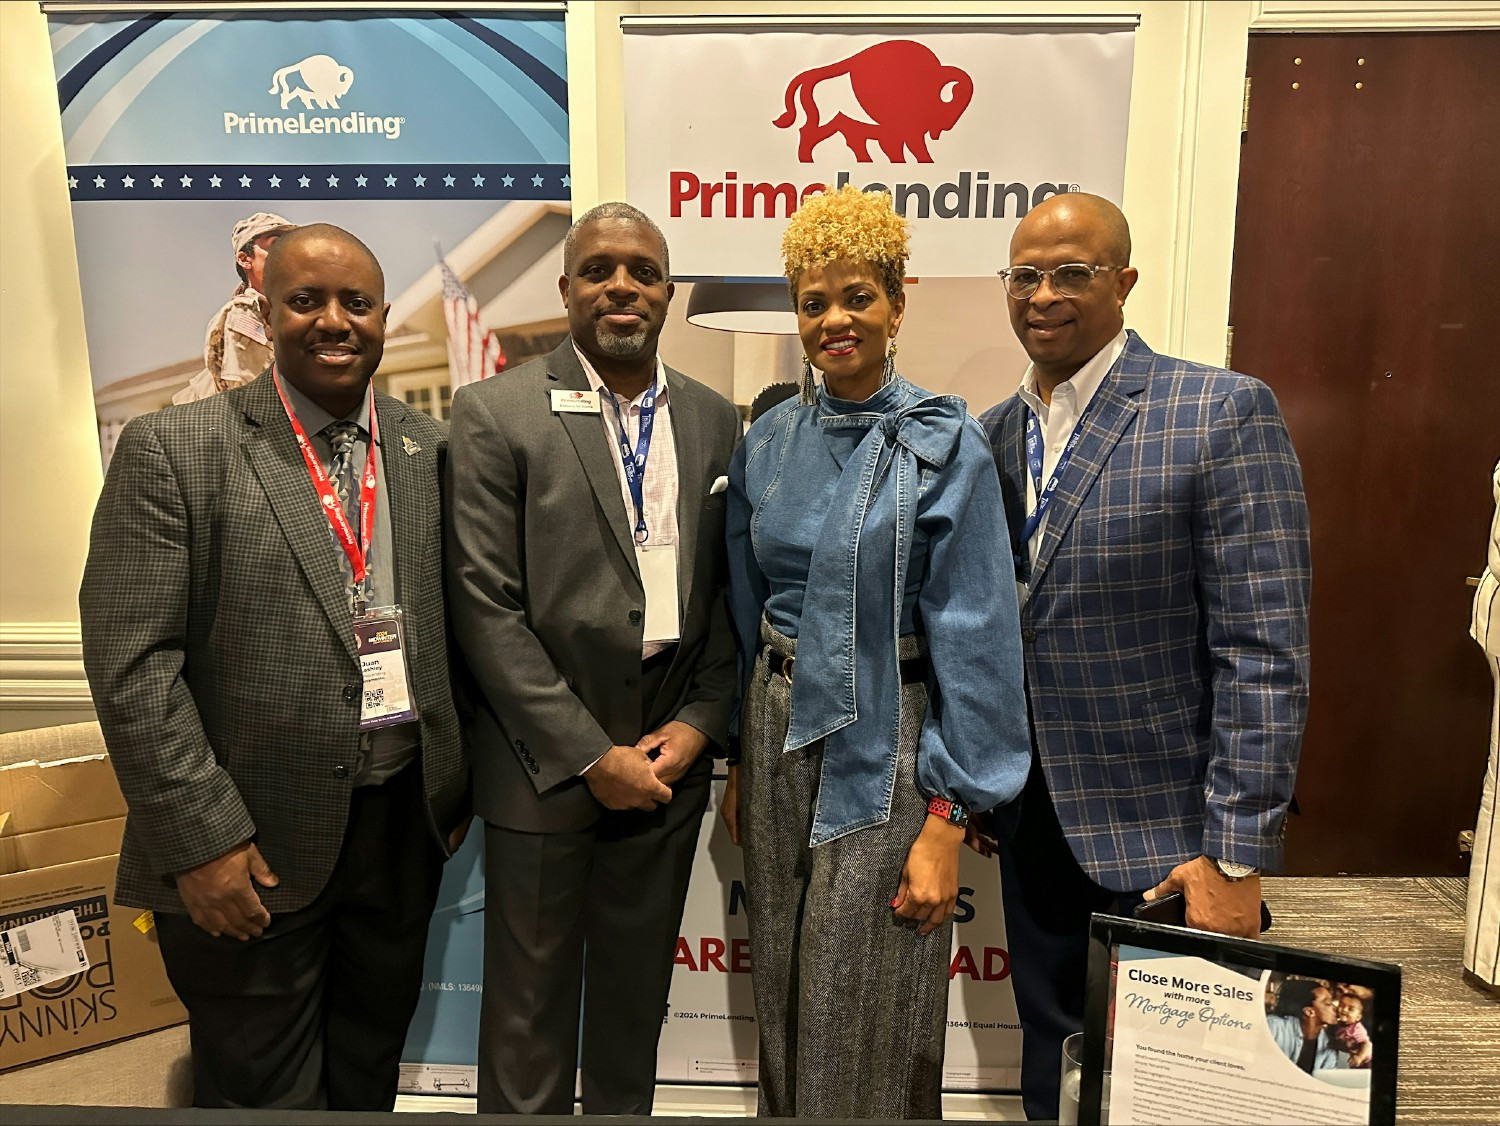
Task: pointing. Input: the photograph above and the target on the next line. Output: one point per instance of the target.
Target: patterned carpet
(1450, 1030)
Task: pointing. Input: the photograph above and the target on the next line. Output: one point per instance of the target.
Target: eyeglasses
(1069, 280)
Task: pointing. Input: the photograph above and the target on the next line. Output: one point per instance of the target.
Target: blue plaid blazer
(1166, 637)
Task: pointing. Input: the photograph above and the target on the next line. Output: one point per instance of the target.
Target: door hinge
(1229, 347)
(1245, 108)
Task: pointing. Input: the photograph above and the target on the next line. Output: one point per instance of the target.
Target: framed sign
(1188, 1026)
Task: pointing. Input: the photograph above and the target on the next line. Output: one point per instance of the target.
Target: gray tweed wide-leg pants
(851, 1001)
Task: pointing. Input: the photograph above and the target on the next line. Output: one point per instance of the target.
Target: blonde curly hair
(849, 224)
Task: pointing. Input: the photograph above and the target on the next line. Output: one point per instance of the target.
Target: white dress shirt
(659, 484)
(1057, 419)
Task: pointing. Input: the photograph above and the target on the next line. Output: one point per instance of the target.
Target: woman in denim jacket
(873, 592)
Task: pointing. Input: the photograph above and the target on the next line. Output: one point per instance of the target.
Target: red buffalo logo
(908, 94)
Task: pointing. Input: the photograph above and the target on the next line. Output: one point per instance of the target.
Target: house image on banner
(510, 263)
(117, 403)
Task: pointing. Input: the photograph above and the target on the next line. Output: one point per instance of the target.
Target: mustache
(642, 313)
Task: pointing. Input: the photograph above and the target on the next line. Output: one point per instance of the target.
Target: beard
(621, 347)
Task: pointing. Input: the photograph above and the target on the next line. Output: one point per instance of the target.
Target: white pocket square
(721, 484)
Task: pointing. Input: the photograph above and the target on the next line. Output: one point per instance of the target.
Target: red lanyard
(356, 549)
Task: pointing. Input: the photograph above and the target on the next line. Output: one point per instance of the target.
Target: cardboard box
(59, 848)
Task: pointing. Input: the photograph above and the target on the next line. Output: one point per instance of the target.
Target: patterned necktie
(342, 476)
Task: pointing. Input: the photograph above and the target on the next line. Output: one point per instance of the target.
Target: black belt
(914, 670)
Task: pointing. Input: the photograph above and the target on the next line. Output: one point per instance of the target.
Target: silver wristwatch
(1234, 872)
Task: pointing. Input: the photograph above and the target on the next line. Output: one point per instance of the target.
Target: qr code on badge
(374, 698)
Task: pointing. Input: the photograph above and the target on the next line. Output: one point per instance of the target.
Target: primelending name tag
(575, 402)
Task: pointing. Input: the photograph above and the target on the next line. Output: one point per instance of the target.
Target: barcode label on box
(40, 952)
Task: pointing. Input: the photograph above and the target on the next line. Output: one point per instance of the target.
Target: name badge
(575, 402)
(658, 564)
(387, 699)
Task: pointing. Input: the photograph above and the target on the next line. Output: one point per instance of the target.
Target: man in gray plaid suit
(1161, 545)
(286, 741)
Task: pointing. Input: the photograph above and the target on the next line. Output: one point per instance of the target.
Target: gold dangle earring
(809, 387)
(890, 363)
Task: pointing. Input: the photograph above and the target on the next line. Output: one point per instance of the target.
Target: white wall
(1181, 175)
(706, 355)
(49, 444)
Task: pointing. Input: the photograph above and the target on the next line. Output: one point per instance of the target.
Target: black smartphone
(1171, 910)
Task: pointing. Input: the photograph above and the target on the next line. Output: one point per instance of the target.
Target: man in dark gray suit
(263, 632)
(586, 574)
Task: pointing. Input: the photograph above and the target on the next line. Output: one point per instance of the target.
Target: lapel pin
(409, 446)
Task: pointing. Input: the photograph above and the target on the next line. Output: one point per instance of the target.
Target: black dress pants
(583, 921)
(313, 1014)
(1048, 900)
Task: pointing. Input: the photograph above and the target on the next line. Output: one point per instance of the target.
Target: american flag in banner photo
(473, 353)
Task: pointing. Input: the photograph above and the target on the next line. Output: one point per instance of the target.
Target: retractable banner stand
(731, 123)
(423, 133)
(710, 1035)
(193, 138)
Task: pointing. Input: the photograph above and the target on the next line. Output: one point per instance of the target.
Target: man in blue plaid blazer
(289, 847)
(1161, 543)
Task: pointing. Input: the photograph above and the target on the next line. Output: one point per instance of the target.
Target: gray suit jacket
(220, 650)
(546, 597)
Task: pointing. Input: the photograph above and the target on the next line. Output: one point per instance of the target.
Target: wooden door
(1366, 292)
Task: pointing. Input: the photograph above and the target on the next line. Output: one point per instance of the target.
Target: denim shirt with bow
(848, 525)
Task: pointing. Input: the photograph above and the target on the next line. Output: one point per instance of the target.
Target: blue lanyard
(1034, 463)
(635, 463)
